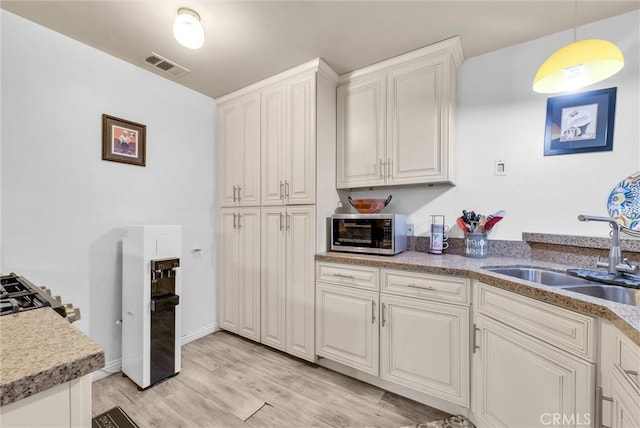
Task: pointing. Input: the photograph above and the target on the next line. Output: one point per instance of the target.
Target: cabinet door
(425, 346)
(300, 152)
(300, 236)
(273, 277)
(361, 156)
(248, 225)
(229, 144)
(519, 381)
(347, 326)
(417, 123)
(626, 401)
(273, 100)
(228, 270)
(249, 166)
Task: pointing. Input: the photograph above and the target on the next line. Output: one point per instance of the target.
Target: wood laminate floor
(227, 381)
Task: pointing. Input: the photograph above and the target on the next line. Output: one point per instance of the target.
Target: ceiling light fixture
(187, 29)
(578, 64)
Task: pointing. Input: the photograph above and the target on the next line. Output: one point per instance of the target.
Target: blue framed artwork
(580, 123)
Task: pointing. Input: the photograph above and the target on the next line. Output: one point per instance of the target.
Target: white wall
(63, 207)
(500, 117)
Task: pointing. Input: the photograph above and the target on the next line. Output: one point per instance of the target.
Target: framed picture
(123, 141)
(580, 123)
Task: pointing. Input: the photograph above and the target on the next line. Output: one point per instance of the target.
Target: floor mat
(114, 418)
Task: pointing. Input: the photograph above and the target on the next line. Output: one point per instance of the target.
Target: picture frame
(123, 141)
(580, 123)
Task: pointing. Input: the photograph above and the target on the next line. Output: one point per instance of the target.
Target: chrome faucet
(615, 264)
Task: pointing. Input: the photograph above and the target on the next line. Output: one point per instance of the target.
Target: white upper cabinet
(288, 141)
(239, 151)
(396, 119)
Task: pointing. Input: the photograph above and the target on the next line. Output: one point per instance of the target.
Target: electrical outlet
(410, 230)
(500, 168)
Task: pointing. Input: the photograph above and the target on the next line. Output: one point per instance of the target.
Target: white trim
(317, 65)
(450, 46)
(114, 366)
(109, 368)
(200, 333)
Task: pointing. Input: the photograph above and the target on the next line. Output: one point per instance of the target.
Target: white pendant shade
(578, 65)
(187, 29)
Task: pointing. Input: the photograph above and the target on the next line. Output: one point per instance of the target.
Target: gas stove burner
(17, 294)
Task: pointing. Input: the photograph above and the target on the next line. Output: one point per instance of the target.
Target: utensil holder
(476, 245)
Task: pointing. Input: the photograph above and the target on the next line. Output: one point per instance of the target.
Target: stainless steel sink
(541, 276)
(613, 293)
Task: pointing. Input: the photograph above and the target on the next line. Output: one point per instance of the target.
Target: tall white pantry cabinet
(276, 163)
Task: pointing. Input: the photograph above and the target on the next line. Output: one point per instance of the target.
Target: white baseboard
(199, 333)
(114, 366)
(109, 368)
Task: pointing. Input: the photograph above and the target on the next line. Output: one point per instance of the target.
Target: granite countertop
(38, 350)
(625, 317)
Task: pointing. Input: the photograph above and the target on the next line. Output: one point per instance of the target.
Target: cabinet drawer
(350, 275)
(426, 286)
(568, 330)
(627, 357)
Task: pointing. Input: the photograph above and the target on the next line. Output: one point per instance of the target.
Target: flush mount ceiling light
(578, 64)
(187, 29)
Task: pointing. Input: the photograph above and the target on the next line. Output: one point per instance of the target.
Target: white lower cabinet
(287, 286)
(626, 402)
(347, 325)
(425, 346)
(519, 381)
(239, 271)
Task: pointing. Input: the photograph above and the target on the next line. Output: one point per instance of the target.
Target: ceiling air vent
(165, 65)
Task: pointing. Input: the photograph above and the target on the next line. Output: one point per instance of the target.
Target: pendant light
(187, 29)
(578, 65)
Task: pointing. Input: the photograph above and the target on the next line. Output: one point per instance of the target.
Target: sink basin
(540, 276)
(613, 293)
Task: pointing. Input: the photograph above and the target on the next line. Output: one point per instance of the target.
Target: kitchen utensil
(481, 223)
(369, 206)
(623, 203)
(462, 225)
(491, 222)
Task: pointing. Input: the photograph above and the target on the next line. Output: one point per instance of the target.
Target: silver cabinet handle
(288, 222)
(286, 189)
(234, 220)
(281, 221)
(239, 198)
(235, 188)
(475, 344)
(373, 311)
(599, 408)
(281, 189)
(422, 288)
(239, 217)
(631, 372)
(341, 275)
(381, 168)
(389, 167)
(383, 320)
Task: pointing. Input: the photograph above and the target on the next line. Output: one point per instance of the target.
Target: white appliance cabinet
(619, 390)
(533, 363)
(396, 119)
(418, 337)
(287, 300)
(239, 271)
(288, 141)
(239, 151)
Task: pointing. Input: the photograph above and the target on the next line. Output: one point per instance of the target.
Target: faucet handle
(627, 267)
(602, 263)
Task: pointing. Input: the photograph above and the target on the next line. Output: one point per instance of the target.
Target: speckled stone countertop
(38, 350)
(625, 317)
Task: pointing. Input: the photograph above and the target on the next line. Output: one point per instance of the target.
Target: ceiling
(247, 41)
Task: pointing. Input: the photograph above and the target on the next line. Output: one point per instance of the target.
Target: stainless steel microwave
(369, 233)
